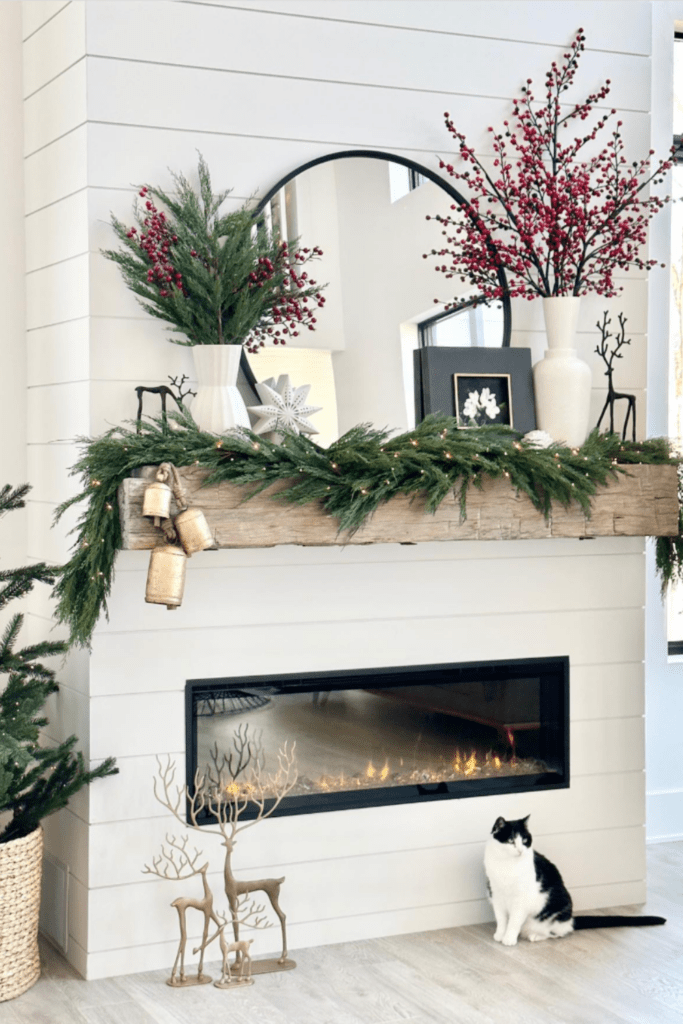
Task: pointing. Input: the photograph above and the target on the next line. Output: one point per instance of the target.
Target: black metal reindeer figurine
(608, 359)
(164, 390)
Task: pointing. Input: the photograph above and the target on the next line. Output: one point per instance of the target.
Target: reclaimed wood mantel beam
(642, 504)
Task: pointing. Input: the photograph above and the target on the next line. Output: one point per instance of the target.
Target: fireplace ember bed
(378, 736)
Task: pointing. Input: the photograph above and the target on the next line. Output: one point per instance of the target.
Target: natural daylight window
(403, 180)
(675, 601)
(480, 326)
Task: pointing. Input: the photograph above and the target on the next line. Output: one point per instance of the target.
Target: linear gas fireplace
(391, 735)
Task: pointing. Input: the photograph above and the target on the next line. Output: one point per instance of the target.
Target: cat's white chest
(512, 878)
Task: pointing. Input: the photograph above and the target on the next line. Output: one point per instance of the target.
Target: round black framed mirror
(369, 212)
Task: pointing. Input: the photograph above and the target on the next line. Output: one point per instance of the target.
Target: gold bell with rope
(166, 576)
(193, 531)
(157, 498)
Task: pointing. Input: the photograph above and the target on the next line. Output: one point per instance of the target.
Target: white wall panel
(36, 13)
(66, 838)
(349, 114)
(58, 412)
(68, 714)
(629, 371)
(58, 45)
(318, 933)
(47, 543)
(552, 23)
(371, 55)
(589, 637)
(57, 293)
(400, 592)
(121, 155)
(439, 551)
(372, 884)
(57, 232)
(138, 349)
(57, 170)
(58, 354)
(58, 108)
(593, 802)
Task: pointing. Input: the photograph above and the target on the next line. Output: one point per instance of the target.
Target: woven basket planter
(21, 866)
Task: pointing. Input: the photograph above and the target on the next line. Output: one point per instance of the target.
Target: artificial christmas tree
(35, 780)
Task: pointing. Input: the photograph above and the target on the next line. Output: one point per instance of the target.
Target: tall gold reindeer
(235, 783)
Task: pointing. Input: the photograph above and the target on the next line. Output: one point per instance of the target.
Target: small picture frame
(483, 399)
(445, 376)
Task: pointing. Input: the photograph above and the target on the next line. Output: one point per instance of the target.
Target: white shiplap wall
(117, 93)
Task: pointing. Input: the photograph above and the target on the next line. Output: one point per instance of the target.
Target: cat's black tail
(612, 921)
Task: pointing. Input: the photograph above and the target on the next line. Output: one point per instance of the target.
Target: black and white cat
(527, 892)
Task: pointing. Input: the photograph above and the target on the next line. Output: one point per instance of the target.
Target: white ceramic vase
(562, 381)
(218, 406)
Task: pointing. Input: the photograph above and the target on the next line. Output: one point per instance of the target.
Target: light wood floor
(457, 976)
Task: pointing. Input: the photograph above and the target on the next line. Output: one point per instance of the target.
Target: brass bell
(193, 531)
(157, 499)
(166, 576)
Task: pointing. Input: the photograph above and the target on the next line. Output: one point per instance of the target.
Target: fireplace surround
(414, 734)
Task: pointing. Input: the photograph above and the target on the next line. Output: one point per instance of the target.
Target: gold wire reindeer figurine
(612, 395)
(175, 862)
(234, 784)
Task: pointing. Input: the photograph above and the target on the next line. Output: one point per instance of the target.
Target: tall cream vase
(562, 381)
(218, 406)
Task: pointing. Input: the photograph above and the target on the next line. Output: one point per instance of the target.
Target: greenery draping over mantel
(363, 469)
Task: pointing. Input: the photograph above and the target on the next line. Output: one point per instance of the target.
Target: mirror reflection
(369, 216)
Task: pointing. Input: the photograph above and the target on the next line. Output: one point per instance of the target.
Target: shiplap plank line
(553, 24)
(56, 110)
(38, 13)
(57, 47)
(333, 51)
(160, 955)
(358, 591)
(588, 637)
(57, 232)
(594, 802)
(56, 171)
(373, 884)
(376, 115)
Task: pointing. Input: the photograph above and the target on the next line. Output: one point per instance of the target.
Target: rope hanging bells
(157, 500)
(166, 576)
(186, 533)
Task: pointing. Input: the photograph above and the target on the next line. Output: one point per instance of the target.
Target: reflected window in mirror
(403, 180)
(475, 326)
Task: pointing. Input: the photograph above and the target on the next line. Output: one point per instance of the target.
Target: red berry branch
(217, 278)
(558, 222)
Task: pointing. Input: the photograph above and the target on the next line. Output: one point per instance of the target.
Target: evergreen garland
(34, 780)
(353, 477)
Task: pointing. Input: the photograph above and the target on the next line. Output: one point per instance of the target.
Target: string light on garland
(357, 466)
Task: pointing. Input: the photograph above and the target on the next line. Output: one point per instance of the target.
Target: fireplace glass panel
(394, 735)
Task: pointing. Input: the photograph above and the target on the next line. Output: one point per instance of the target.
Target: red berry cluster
(291, 308)
(156, 243)
(556, 224)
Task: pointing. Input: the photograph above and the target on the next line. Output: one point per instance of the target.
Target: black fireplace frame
(555, 701)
